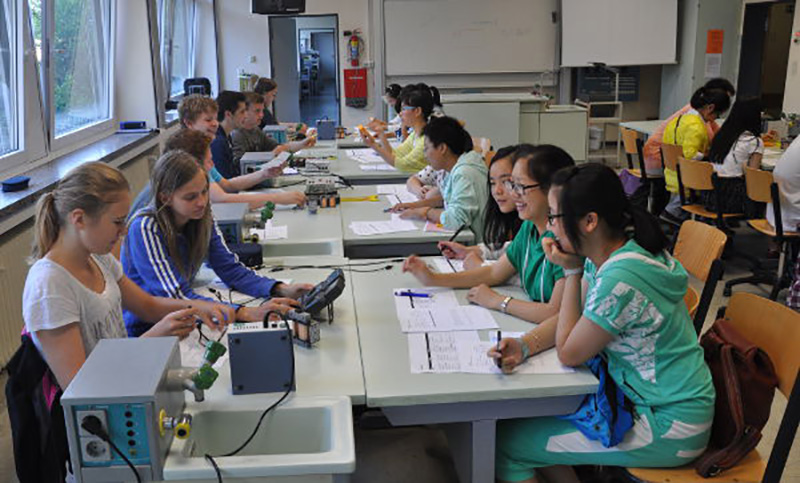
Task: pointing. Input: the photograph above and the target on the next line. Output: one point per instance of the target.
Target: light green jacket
(465, 192)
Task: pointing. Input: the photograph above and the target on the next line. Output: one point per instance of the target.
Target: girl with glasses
(542, 281)
(622, 300)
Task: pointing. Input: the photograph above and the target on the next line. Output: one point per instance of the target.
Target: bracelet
(504, 304)
(568, 272)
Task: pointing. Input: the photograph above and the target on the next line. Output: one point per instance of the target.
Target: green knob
(205, 377)
(214, 350)
(269, 205)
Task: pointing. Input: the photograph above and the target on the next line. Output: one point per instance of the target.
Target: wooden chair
(670, 154)
(699, 248)
(692, 300)
(761, 188)
(698, 176)
(634, 146)
(774, 328)
(487, 157)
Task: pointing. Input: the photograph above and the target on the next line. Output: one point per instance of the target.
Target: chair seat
(763, 226)
(750, 469)
(701, 210)
(636, 172)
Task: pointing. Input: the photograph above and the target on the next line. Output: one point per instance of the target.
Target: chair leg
(776, 286)
(755, 279)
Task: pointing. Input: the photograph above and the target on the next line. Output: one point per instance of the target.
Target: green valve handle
(205, 377)
(214, 350)
(267, 211)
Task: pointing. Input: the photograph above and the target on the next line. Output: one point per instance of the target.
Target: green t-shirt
(537, 273)
(654, 357)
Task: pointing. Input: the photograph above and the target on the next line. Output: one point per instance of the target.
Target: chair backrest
(670, 154)
(692, 300)
(759, 183)
(629, 137)
(774, 328)
(696, 175)
(487, 157)
(697, 247)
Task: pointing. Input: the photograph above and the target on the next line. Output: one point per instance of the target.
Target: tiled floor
(321, 106)
(420, 454)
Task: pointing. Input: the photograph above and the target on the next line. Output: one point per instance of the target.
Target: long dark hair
(595, 188)
(499, 227)
(704, 96)
(393, 91)
(416, 97)
(745, 116)
(544, 161)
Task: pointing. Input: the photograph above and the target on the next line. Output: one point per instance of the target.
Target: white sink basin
(303, 436)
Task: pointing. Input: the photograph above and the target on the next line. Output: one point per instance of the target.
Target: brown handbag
(745, 382)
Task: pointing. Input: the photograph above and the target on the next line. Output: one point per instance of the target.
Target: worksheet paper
(405, 197)
(545, 362)
(449, 352)
(445, 319)
(365, 156)
(394, 225)
(441, 297)
(436, 228)
(441, 265)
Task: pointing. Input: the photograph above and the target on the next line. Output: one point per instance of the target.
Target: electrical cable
(94, 426)
(210, 458)
(346, 266)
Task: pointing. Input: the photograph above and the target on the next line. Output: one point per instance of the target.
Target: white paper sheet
(271, 232)
(441, 265)
(192, 349)
(394, 225)
(365, 156)
(377, 167)
(545, 362)
(445, 319)
(440, 297)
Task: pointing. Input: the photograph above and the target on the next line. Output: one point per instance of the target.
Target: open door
(285, 69)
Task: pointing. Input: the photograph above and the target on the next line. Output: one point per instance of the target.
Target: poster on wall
(714, 40)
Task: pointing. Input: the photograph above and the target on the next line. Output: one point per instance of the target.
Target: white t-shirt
(787, 176)
(735, 161)
(53, 298)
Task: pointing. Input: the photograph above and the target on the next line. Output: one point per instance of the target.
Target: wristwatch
(504, 304)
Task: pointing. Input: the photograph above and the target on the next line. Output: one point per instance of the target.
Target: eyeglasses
(408, 108)
(551, 217)
(519, 189)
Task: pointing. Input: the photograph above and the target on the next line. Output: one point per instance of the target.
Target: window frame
(166, 17)
(17, 79)
(74, 138)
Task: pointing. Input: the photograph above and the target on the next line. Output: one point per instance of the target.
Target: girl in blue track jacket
(169, 240)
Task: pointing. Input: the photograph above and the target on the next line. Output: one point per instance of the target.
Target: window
(9, 81)
(176, 19)
(80, 54)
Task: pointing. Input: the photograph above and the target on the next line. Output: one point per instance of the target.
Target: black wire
(216, 468)
(347, 266)
(133, 468)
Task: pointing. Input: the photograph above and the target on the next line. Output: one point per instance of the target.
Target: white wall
(791, 96)
(133, 69)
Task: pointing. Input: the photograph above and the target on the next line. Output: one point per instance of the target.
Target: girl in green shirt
(623, 299)
(533, 167)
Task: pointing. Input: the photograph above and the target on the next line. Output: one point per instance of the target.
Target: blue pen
(413, 294)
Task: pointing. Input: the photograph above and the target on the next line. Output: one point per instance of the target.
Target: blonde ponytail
(90, 187)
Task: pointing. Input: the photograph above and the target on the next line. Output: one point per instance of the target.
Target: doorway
(764, 53)
(305, 64)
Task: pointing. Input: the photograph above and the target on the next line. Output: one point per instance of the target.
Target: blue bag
(606, 415)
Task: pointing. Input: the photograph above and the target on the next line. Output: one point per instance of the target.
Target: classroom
(389, 241)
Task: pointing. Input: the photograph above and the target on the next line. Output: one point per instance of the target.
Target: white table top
(384, 350)
(350, 169)
(373, 211)
(645, 127)
(333, 367)
(309, 234)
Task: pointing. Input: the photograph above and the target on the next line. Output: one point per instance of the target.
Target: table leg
(472, 447)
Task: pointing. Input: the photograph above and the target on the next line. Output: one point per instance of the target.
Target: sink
(303, 436)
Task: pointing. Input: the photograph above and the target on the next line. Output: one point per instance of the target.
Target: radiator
(15, 248)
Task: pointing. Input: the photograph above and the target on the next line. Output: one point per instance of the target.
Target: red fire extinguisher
(354, 44)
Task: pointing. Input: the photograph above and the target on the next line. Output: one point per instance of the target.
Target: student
(427, 183)
(438, 109)
(200, 114)
(623, 299)
(409, 156)
(390, 98)
(542, 281)
(249, 138)
(737, 144)
(230, 116)
(268, 89)
(787, 177)
(689, 131)
(169, 240)
(652, 148)
(75, 291)
(502, 220)
(448, 146)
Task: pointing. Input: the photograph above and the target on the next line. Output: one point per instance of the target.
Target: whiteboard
(424, 37)
(619, 32)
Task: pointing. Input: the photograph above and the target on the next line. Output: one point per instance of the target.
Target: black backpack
(39, 434)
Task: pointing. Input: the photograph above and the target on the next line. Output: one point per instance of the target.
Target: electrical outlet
(81, 415)
(94, 450)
